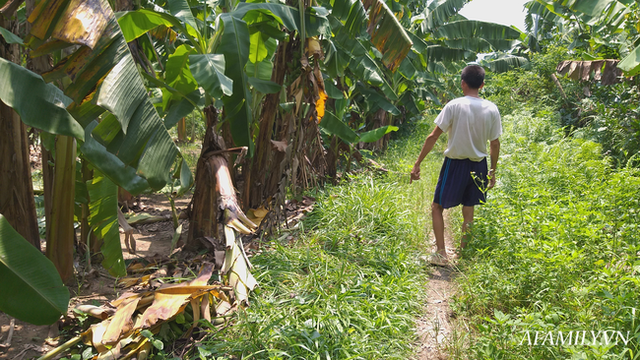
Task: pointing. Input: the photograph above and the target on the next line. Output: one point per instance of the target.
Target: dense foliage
(555, 249)
(608, 114)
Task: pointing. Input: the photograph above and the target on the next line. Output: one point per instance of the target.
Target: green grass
(191, 153)
(349, 287)
(556, 249)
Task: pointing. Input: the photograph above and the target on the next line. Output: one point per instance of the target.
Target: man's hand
(415, 173)
(492, 179)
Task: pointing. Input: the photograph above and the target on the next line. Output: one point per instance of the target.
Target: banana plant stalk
(60, 234)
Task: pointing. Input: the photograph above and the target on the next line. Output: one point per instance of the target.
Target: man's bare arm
(494, 147)
(426, 148)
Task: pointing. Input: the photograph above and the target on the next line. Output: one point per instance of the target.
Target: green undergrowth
(348, 286)
(556, 249)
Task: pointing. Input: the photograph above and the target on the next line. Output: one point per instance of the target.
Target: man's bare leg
(437, 221)
(467, 216)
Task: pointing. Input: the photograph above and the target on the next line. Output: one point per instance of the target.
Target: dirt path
(434, 327)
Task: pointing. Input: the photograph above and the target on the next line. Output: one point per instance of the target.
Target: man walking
(470, 122)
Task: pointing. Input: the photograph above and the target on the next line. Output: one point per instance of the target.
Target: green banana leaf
(103, 218)
(375, 100)
(181, 108)
(208, 70)
(257, 49)
(387, 34)
(108, 163)
(335, 126)
(186, 178)
(104, 77)
(10, 37)
(178, 104)
(546, 11)
(465, 29)
(181, 10)
(480, 45)
(137, 23)
(364, 66)
(600, 8)
(437, 53)
(440, 12)
(332, 91)
(262, 70)
(234, 45)
(631, 63)
(336, 59)
(26, 89)
(505, 64)
(31, 288)
(177, 70)
(352, 12)
(409, 103)
(316, 22)
(377, 134)
(264, 86)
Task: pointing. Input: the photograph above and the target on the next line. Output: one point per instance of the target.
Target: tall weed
(555, 250)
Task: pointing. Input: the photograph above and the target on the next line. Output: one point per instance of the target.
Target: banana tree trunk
(61, 235)
(203, 221)
(88, 240)
(262, 180)
(214, 199)
(182, 130)
(47, 183)
(16, 197)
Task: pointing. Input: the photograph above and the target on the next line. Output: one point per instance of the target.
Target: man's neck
(472, 93)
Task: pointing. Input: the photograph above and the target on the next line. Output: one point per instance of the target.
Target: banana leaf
(364, 66)
(31, 288)
(631, 64)
(234, 45)
(103, 209)
(375, 100)
(264, 86)
(505, 64)
(104, 77)
(10, 37)
(26, 89)
(387, 34)
(181, 10)
(315, 18)
(437, 53)
(335, 126)
(177, 70)
(377, 134)
(208, 70)
(465, 29)
(352, 12)
(441, 12)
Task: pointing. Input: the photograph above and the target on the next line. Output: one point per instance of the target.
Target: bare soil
(155, 239)
(95, 287)
(435, 326)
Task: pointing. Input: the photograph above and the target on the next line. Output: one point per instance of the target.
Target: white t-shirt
(470, 122)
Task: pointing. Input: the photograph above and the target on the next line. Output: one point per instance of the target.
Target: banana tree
(597, 29)
(16, 199)
(440, 39)
(104, 107)
(233, 76)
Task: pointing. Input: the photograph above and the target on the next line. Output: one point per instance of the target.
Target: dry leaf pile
(121, 333)
(130, 322)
